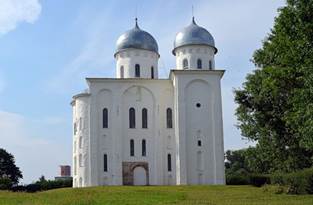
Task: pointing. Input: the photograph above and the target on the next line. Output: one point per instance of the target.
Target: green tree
(276, 101)
(8, 169)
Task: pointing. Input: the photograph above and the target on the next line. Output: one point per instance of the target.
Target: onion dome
(136, 38)
(193, 35)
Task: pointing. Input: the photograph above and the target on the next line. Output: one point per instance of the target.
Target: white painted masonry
(188, 152)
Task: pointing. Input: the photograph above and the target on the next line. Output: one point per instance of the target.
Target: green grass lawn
(210, 195)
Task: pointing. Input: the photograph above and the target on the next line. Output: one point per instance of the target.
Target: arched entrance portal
(140, 176)
(135, 173)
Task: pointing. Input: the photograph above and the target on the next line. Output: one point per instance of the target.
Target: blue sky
(48, 47)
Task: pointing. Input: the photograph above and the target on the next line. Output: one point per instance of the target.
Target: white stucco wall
(191, 164)
(130, 57)
(192, 53)
(81, 140)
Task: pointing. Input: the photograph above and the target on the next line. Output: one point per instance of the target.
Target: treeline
(42, 185)
(241, 169)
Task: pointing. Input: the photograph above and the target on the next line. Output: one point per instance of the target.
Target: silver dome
(136, 38)
(193, 35)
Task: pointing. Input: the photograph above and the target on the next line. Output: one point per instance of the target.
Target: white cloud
(13, 12)
(34, 155)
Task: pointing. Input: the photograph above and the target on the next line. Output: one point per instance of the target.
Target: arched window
(105, 118)
(143, 148)
(122, 72)
(80, 160)
(210, 65)
(132, 118)
(75, 146)
(199, 64)
(152, 72)
(80, 142)
(185, 63)
(132, 148)
(75, 128)
(144, 118)
(169, 118)
(80, 123)
(75, 165)
(80, 182)
(105, 162)
(137, 70)
(169, 162)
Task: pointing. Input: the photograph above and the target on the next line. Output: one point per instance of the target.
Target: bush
(300, 182)
(259, 180)
(54, 184)
(19, 188)
(31, 188)
(43, 186)
(5, 183)
(237, 179)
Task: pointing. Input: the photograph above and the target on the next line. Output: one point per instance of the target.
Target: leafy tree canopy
(8, 169)
(276, 101)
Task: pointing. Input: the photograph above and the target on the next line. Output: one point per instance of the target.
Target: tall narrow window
(75, 166)
(132, 118)
(105, 162)
(185, 63)
(199, 64)
(144, 118)
(169, 162)
(152, 72)
(143, 147)
(80, 142)
(169, 118)
(210, 65)
(80, 160)
(80, 123)
(137, 70)
(122, 72)
(75, 128)
(105, 118)
(132, 148)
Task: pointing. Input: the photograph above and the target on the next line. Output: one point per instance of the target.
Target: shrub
(237, 179)
(300, 182)
(5, 183)
(259, 180)
(18, 188)
(32, 188)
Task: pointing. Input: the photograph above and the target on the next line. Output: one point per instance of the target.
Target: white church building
(137, 129)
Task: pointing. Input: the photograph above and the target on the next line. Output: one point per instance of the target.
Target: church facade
(137, 129)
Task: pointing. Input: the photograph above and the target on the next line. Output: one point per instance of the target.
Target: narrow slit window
(144, 118)
(105, 118)
(137, 70)
(210, 65)
(132, 148)
(122, 72)
(132, 118)
(199, 64)
(169, 162)
(152, 72)
(105, 162)
(185, 63)
(144, 151)
(169, 118)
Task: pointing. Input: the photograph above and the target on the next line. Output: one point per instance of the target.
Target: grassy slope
(210, 195)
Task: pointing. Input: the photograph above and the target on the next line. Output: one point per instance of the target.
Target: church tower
(198, 108)
(136, 55)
